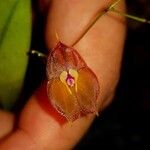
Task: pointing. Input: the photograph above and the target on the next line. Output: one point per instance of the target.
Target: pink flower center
(70, 80)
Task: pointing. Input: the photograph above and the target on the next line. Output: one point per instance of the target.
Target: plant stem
(39, 54)
(110, 8)
(143, 20)
(114, 4)
(95, 20)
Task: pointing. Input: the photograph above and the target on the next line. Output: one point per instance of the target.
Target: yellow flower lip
(69, 79)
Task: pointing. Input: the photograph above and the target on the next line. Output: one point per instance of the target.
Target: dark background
(125, 123)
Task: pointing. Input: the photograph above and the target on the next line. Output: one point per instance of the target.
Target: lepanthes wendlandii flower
(72, 86)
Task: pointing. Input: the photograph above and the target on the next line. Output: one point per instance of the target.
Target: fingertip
(7, 123)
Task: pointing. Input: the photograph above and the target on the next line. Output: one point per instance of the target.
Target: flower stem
(110, 8)
(39, 54)
(143, 20)
(95, 20)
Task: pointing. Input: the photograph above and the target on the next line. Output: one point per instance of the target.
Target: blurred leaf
(15, 38)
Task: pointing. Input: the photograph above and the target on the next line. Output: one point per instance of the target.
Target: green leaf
(15, 38)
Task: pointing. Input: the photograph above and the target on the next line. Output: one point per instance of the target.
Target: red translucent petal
(71, 101)
(80, 102)
(63, 58)
(88, 90)
(62, 100)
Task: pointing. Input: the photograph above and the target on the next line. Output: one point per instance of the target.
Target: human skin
(38, 127)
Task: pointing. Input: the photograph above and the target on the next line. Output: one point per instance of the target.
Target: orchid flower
(72, 86)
